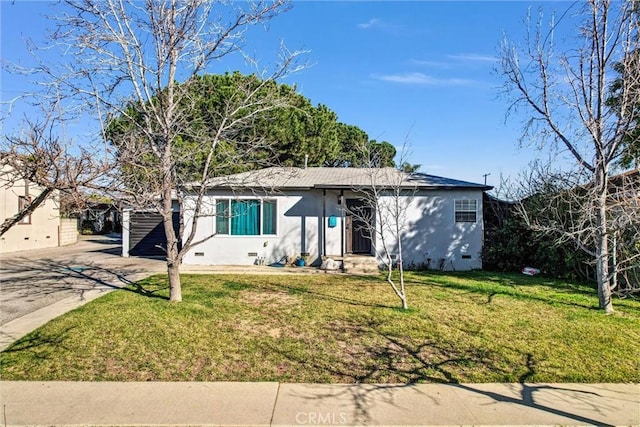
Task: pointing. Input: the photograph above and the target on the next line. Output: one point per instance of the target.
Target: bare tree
(135, 61)
(48, 164)
(383, 217)
(566, 92)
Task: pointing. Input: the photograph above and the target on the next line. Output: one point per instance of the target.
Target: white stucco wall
(41, 232)
(299, 227)
(334, 235)
(432, 233)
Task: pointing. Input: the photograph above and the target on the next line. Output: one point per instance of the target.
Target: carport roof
(283, 178)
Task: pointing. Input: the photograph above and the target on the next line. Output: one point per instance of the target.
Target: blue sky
(423, 72)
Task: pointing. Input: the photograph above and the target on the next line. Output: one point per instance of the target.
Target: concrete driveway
(35, 279)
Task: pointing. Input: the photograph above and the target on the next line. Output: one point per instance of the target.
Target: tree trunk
(400, 293)
(173, 260)
(604, 287)
(602, 248)
(173, 256)
(614, 261)
(175, 288)
(403, 293)
(173, 252)
(403, 298)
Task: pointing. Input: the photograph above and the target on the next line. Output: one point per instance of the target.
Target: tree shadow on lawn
(514, 280)
(143, 287)
(385, 357)
(38, 339)
(115, 279)
(38, 343)
(412, 364)
(510, 288)
(303, 290)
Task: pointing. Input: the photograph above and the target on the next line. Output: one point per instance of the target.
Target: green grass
(464, 327)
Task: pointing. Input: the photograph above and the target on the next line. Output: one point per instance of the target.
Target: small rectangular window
(466, 210)
(23, 202)
(222, 217)
(269, 217)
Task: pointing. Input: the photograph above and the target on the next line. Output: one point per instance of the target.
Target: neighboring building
(261, 216)
(101, 218)
(42, 229)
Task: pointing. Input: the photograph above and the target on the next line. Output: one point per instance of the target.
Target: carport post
(126, 220)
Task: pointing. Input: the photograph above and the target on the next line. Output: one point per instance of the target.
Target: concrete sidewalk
(276, 404)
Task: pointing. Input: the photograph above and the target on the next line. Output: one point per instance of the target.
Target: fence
(68, 231)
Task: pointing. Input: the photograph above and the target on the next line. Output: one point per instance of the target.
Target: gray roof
(283, 178)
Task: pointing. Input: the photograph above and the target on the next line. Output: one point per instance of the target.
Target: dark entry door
(358, 235)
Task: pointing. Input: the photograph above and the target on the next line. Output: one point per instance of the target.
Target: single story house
(261, 216)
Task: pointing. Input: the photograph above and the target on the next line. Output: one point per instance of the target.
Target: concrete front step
(359, 264)
(362, 271)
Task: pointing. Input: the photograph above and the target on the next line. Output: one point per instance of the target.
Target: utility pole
(485, 177)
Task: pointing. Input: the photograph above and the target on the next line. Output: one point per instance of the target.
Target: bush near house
(513, 246)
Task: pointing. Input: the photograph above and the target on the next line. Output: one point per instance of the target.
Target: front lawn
(463, 327)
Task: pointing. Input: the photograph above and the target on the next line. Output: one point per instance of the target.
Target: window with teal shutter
(222, 217)
(269, 218)
(245, 217)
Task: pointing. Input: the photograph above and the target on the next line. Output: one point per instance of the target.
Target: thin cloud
(456, 61)
(436, 64)
(378, 24)
(373, 22)
(423, 80)
(473, 57)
